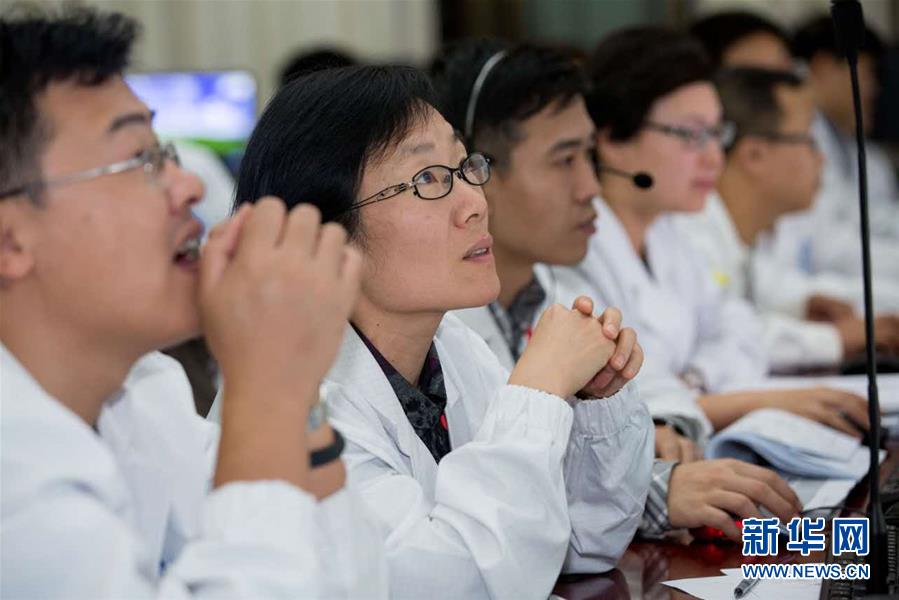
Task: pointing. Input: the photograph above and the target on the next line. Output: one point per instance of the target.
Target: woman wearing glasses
(657, 111)
(461, 462)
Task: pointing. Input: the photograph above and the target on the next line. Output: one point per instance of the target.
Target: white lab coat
(790, 342)
(836, 238)
(823, 243)
(781, 283)
(125, 512)
(492, 519)
(685, 324)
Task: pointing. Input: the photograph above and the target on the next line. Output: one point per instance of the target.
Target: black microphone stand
(849, 27)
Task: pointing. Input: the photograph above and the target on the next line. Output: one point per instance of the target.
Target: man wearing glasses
(546, 175)
(106, 469)
(772, 168)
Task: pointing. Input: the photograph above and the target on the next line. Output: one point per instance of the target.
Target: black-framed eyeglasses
(152, 161)
(697, 137)
(781, 137)
(436, 181)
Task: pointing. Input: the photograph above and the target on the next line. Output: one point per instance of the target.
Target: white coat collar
(611, 252)
(150, 463)
(357, 371)
(482, 322)
(725, 227)
(43, 442)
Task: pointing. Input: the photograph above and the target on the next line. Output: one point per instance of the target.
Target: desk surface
(646, 565)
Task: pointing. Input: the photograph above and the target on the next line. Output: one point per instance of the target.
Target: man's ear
(750, 156)
(16, 257)
(823, 65)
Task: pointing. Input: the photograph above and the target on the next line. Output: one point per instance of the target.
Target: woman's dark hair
(319, 132)
(39, 47)
(719, 32)
(634, 67)
(525, 81)
(308, 60)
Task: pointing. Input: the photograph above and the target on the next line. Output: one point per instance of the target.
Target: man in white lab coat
(783, 278)
(772, 168)
(662, 114)
(825, 241)
(106, 468)
(743, 38)
(546, 175)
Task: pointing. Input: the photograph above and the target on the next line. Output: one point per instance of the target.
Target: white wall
(259, 34)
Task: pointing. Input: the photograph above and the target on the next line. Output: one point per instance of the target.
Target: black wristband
(329, 453)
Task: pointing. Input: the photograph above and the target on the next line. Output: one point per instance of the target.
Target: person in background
(825, 240)
(659, 113)
(530, 117)
(780, 285)
(483, 478)
(308, 60)
(772, 168)
(741, 38)
(111, 487)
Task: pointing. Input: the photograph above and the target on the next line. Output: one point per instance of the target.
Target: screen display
(214, 108)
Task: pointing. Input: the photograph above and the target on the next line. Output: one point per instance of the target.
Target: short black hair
(720, 31)
(314, 59)
(525, 81)
(313, 141)
(817, 35)
(37, 48)
(633, 67)
(749, 97)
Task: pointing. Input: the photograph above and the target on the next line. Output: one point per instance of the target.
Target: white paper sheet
(722, 587)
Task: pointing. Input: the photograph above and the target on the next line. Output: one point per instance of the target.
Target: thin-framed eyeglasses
(780, 137)
(152, 161)
(697, 137)
(436, 181)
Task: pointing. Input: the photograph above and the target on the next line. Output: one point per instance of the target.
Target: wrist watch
(318, 414)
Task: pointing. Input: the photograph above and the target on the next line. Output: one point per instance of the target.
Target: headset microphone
(640, 179)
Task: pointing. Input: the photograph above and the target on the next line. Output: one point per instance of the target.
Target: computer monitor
(216, 109)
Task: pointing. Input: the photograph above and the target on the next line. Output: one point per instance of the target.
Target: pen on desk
(744, 586)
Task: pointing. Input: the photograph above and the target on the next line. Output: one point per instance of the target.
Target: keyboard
(889, 490)
(849, 590)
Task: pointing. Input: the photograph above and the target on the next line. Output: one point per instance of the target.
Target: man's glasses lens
(156, 157)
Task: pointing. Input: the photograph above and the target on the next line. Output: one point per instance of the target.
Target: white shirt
(496, 517)
(822, 246)
(125, 512)
(790, 342)
(683, 321)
